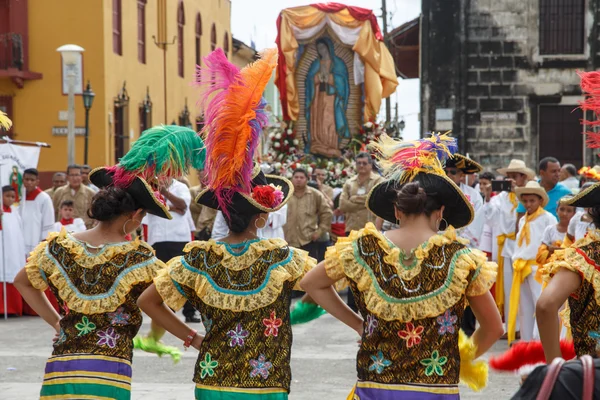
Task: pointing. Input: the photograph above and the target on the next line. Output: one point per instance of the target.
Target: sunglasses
(452, 171)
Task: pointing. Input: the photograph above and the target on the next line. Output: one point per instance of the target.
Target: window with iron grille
(226, 44)
(180, 24)
(213, 38)
(121, 110)
(141, 11)
(198, 38)
(562, 26)
(117, 28)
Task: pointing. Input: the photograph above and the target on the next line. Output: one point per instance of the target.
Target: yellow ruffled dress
(412, 313)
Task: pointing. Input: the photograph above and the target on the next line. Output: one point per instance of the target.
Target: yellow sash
(500, 276)
(512, 197)
(524, 234)
(521, 269)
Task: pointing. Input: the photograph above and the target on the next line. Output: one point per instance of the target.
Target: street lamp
(71, 54)
(88, 100)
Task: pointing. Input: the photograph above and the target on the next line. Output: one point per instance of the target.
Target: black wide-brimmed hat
(145, 196)
(463, 163)
(418, 161)
(587, 198)
(249, 203)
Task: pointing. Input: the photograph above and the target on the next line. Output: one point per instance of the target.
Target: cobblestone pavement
(323, 358)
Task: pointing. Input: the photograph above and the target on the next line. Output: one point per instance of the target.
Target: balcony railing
(11, 51)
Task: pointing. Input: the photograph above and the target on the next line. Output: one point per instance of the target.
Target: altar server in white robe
(36, 211)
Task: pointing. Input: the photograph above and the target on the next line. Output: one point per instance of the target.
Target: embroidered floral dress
(97, 294)
(412, 310)
(583, 257)
(243, 293)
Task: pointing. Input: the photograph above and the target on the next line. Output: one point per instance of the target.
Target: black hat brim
(244, 203)
(139, 189)
(587, 198)
(458, 210)
(463, 163)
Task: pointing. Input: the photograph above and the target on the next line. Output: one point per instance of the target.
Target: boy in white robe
(525, 289)
(66, 212)
(12, 253)
(36, 212)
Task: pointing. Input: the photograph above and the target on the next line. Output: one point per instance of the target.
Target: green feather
(167, 150)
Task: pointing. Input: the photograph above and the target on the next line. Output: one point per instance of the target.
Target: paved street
(322, 362)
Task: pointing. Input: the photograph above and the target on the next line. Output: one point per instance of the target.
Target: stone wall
(495, 110)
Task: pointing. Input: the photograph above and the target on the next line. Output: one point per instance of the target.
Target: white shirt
(537, 227)
(38, 219)
(579, 228)
(174, 230)
(273, 229)
(13, 258)
(474, 230)
(571, 182)
(552, 235)
(77, 226)
(499, 214)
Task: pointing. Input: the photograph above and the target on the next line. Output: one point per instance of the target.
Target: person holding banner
(12, 253)
(97, 275)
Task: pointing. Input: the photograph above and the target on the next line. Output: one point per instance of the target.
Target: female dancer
(412, 284)
(241, 285)
(97, 275)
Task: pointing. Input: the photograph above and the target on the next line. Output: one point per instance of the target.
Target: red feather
(528, 353)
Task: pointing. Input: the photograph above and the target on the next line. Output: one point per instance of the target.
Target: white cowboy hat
(533, 187)
(517, 166)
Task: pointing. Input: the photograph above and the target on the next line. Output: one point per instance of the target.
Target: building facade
(137, 82)
(502, 74)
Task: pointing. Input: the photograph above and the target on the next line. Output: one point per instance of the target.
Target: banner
(15, 159)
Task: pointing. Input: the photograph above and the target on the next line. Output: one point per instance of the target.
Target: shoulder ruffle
(168, 290)
(290, 269)
(465, 263)
(41, 264)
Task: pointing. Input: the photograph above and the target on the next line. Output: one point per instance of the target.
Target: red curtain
(360, 14)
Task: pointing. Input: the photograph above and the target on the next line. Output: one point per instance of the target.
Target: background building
(121, 60)
(502, 75)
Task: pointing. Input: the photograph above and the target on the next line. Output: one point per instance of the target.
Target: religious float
(333, 72)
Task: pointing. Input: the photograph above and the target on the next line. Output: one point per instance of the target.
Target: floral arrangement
(369, 132)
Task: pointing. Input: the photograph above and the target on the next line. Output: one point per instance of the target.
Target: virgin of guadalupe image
(16, 181)
(326, 101)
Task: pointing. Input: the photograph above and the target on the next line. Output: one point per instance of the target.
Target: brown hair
(412, 199)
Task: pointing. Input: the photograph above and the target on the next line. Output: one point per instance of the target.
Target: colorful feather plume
(234, 118)
(590, 85)
(161, 153)
(402, 161)
(522, 354)
(5, 122)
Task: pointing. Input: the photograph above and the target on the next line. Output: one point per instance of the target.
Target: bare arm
(490, 324)
(562, 284)
(152, 304)
(379, 223)
(37, 300)
(319, 286)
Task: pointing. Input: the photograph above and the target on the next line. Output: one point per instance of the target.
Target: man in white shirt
(568, 176)
(36, 212)
(169, 237)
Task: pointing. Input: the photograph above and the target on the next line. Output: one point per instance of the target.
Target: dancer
(412, 284)
(241, 285)
(97, 275)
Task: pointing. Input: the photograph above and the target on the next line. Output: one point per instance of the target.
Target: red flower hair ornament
(269, 196)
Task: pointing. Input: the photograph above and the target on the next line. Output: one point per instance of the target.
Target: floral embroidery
(272, 325)
(237, 336)
(85, 326)
(62, 337)
(372, 324)
(446, 322)
(411, 334)
(379, 363)
(119, 317)
(208, 323)
(260, 367)
(108, 337)
(434, 364)
(207, 366)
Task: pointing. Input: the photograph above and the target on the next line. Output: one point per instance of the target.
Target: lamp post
(71, 54)
(88, 100)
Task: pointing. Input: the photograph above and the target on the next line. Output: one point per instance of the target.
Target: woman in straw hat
(500, 214)
(242, 284)
(411, 284)
(98, 275)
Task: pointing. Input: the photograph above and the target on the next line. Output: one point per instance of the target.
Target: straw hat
(465, 164)
(517, 166)
(533, 187)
